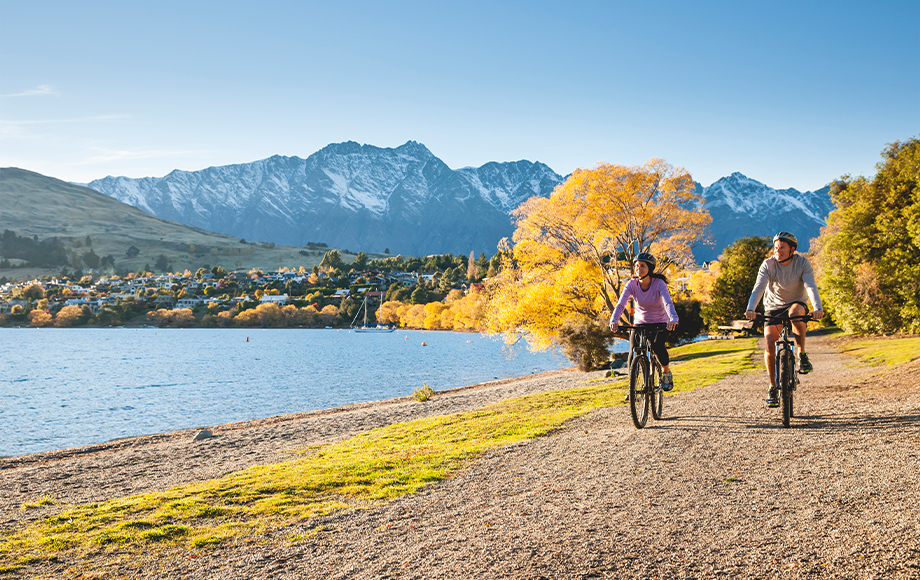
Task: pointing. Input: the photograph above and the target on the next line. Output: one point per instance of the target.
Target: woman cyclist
(653, 303)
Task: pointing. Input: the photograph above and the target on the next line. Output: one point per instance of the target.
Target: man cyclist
(784, 281)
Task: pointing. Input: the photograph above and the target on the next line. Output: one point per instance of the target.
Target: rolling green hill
(32, 204)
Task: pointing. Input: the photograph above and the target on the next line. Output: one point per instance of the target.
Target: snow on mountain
(347, 195)
(741, 206)
(407, 200)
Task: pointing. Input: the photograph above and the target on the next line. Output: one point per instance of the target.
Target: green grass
(377, 466)
(884, 351)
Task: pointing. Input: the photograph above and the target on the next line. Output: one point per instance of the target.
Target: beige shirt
(782, 284)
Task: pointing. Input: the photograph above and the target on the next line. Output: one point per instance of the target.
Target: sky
(792, 94)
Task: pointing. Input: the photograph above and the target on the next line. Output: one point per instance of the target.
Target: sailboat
(366, 327)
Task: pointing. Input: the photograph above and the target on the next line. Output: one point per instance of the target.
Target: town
(330, 294)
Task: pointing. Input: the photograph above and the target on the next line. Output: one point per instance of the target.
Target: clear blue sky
(793, 94)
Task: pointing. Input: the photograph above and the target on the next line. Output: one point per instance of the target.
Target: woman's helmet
(788, 238)
(647, 258)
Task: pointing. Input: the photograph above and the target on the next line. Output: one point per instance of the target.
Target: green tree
(868, 258)
(132, 252)
(360, 261)
(398, 293)
(162, 263)
(419, 295)
(349, 308)
(91, 260)
(33, 292)
(331, 261)
(739, 264)
(472, 268)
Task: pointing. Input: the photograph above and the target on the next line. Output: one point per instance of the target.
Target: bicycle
(784, 367)
(643, 362)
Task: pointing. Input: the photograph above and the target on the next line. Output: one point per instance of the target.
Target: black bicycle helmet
(788, 238)
(647, 258)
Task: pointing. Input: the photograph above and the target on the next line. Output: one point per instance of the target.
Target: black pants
(656, 338)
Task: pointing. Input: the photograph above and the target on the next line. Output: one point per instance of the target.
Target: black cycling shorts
(782, 311)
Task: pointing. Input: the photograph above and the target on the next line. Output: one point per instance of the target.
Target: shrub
(587, 344)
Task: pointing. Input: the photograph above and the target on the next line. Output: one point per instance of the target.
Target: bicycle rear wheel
(785, 379)
(656, 395)
(638, 399)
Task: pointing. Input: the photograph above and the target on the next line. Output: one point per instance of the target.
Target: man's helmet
(788, 238)
(647, 258)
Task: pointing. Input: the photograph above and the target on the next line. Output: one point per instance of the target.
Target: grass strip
(884, 351)
(380, 465)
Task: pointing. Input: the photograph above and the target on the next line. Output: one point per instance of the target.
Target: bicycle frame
(643, 361)
(784, 363)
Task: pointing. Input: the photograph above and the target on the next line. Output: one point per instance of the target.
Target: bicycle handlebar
(649, 326)
(761, 317)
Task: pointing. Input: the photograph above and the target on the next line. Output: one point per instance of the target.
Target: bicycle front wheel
(638, 398)
(656, 395)
(785, 380)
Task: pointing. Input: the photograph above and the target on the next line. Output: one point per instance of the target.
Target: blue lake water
(62, 388)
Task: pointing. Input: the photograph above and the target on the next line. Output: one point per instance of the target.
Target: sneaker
(772, 399)
(667, 381)
(804, 364)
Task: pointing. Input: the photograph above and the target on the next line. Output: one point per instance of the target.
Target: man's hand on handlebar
(750, 314)
(817, 314)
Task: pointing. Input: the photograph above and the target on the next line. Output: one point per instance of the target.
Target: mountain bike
(644, 375)
(784, 368)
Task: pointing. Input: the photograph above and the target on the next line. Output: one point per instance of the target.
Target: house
(187, 302)
(165, 301)
(8, 306)
(278, 299)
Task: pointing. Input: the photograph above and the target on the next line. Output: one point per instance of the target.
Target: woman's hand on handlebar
(672, 325)
(614, 327)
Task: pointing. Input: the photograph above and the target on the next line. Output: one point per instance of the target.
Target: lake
(62, 388)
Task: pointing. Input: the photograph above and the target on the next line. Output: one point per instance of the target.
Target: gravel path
(717, 489)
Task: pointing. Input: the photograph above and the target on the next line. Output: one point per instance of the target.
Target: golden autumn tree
(571, 253)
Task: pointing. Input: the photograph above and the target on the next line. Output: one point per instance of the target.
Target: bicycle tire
(638, 400)
(657, 395)
(785, 379)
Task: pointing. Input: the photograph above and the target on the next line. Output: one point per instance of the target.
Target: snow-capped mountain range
(408, 201)
(347, 195)
(741, 206)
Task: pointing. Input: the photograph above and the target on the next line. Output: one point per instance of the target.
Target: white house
(274, 299)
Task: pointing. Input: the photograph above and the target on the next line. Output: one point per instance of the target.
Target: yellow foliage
(39, 318)
(68, 316)
(458, 312)
(699, 282)
(387, 313)
(163, 317)
(571, 252)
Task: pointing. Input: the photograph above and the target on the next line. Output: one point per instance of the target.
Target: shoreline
(158, 462)
(11, 461)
